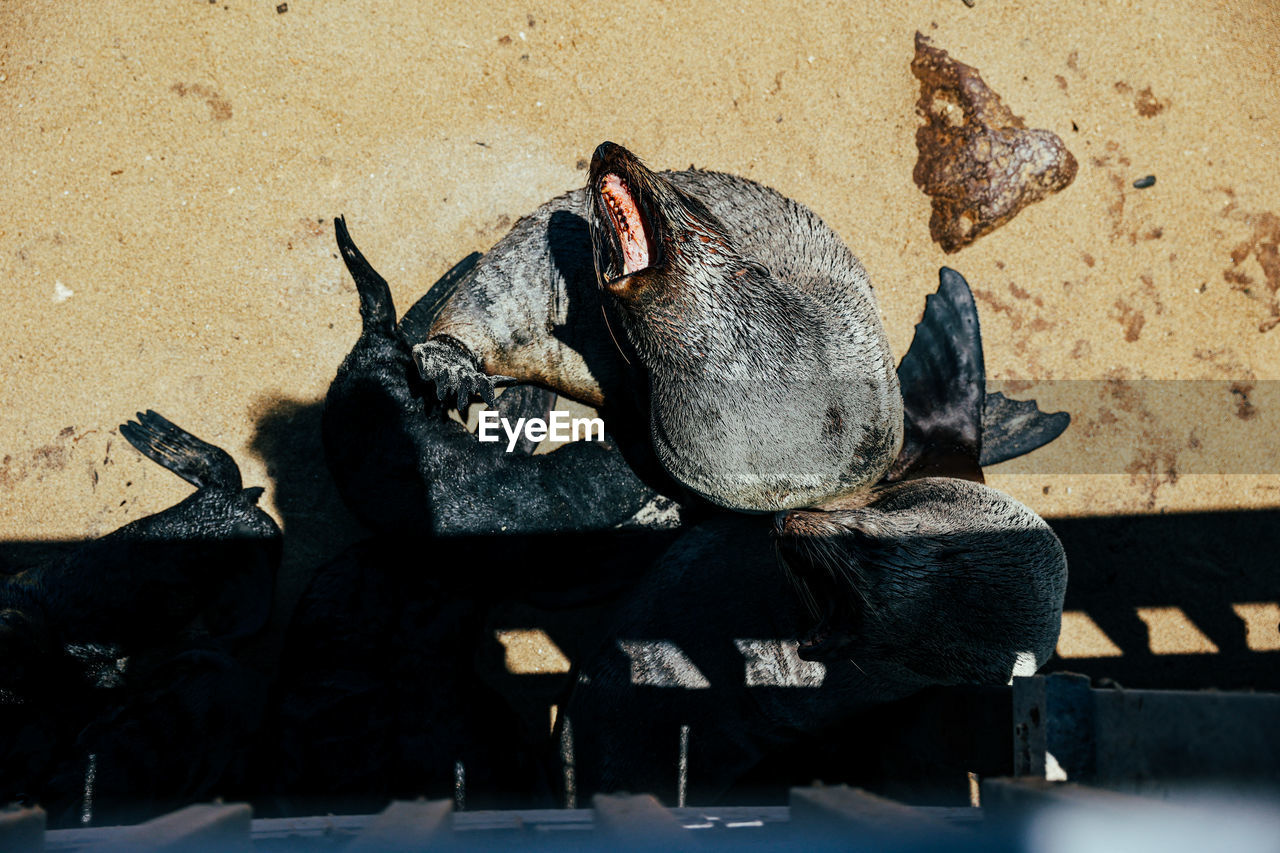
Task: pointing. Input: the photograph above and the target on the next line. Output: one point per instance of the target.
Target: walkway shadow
(1200, 563)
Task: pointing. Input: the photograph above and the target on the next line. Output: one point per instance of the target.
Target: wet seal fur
(747, 345)
(214, 555)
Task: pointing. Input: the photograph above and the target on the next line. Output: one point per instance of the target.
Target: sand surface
(171, 170)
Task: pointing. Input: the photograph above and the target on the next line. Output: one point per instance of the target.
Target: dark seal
(214, 555)
(403, 466)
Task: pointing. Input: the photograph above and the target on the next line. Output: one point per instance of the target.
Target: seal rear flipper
(1012, 428)
(943, 380)
(415, 325)
(169, 445)
(377, 309)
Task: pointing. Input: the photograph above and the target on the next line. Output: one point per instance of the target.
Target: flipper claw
(450, 366)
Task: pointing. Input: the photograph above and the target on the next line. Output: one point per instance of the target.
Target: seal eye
(628, 223)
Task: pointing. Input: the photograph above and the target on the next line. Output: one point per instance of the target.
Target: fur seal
(770, 381)
(765, 380)
(872, 567)
(923, 580)
(213, 555)
(401, 465)
(948, 577)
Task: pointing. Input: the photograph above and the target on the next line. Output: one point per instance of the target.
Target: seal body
(937, 582)
(950, 578)
(749, 636)
(738, 326)
(213, 555)
(405, 468)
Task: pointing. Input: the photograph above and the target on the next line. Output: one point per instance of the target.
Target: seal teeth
(627, 223)
(620, 217)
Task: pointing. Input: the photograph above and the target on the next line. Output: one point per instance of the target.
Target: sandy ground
(171, 170)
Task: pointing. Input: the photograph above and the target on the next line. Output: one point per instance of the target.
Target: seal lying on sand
(950, 578)
(920, 581)
(402, 465)
(766, 378)
(214, 554)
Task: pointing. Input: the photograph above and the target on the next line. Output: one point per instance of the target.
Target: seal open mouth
(628, 223)
(626, 219)
(823, 637)
(820, 599)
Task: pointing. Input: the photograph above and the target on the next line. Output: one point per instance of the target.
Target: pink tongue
(627, 223)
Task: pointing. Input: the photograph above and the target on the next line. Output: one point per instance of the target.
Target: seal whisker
(612, 336)
(803, 592)
(842, 569)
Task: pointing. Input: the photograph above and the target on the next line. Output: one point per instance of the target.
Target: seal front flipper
(377, 310)
(214, 556)
(446, 363)
(1012, 428)
(170, 446)
(240, 541)
(943, 379)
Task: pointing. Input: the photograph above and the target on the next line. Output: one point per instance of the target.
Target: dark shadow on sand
(1201, 563)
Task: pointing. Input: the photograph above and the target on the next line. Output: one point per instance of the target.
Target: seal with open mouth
(765, 377)
(923, 580)
(770, 382)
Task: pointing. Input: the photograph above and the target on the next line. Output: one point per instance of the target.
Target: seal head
(763, 393)
(948, 577)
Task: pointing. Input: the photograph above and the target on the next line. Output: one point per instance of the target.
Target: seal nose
(783, 523)
(604, 153)
(610, 156)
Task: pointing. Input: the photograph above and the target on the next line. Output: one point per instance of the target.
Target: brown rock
(978, 161)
